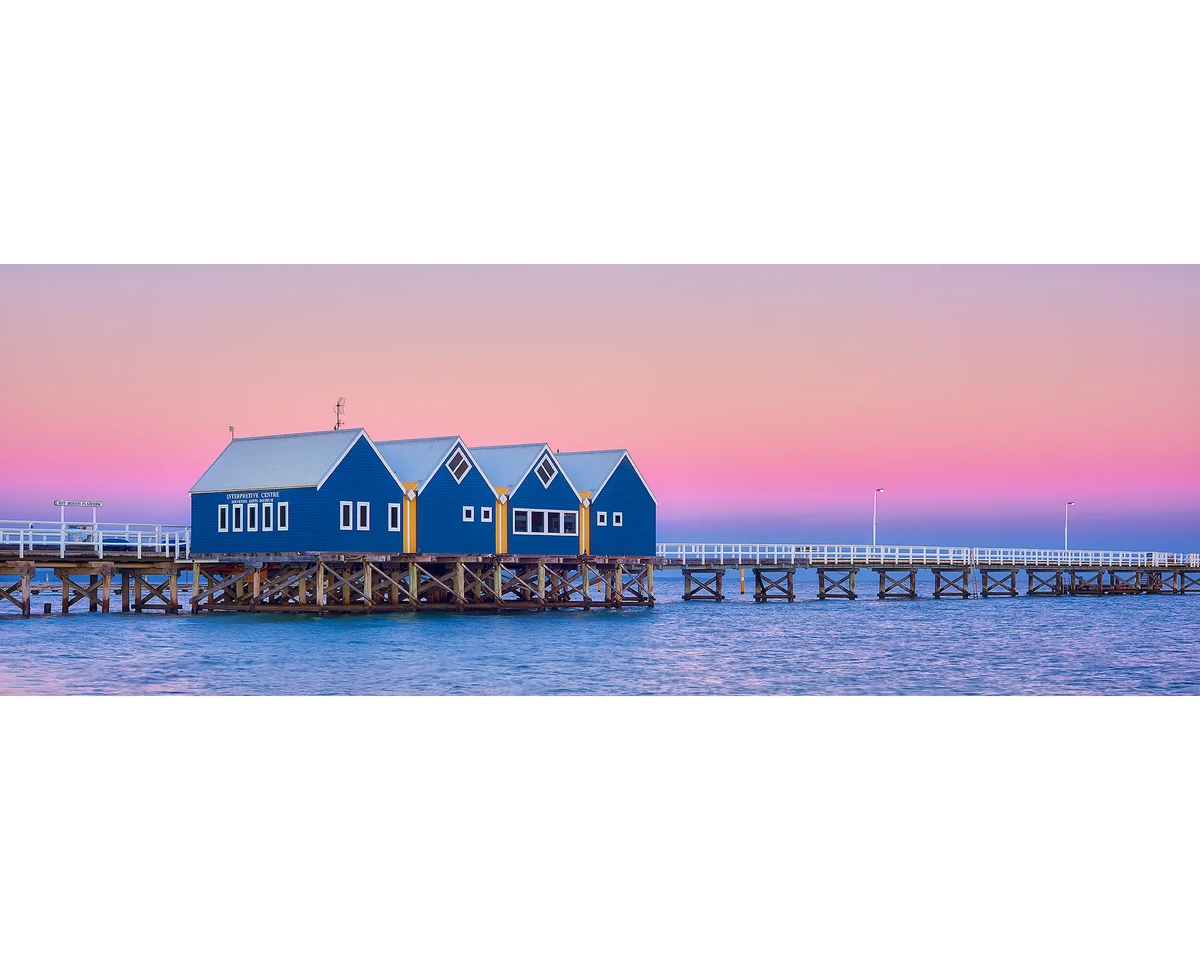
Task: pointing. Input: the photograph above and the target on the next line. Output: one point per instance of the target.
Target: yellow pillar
(585, 527)
(500, 515)
(410, 517)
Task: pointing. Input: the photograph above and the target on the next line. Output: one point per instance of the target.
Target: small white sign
(78, 503)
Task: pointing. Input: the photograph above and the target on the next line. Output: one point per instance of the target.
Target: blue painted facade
(624, 493)
(532, 495)
(313, 513)
(440, 524)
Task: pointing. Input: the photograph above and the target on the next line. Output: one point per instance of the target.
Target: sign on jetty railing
(867, 555)
(39, 536)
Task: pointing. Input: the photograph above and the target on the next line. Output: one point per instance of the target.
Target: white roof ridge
(300, 433)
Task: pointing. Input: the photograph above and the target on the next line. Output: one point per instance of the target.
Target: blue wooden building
(329, 491)
(449, 505)
(537, 508)
(618, 515)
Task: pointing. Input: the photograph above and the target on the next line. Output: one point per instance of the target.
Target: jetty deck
(149, 566)
(957, 571)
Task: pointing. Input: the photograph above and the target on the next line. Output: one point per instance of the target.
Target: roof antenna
(231, 434)
(341, 408)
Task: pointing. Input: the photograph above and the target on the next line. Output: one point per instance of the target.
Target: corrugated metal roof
(590, 469)
(414, 461)
(506, 466)
(289, 460)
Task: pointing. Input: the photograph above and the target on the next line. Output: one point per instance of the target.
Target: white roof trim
(538, 459)
(361, 433)
(625, 455)
(458, 444)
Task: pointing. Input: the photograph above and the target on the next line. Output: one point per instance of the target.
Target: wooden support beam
(706, 583)
(951, 583)
(836, 584)
(124, 591)
(1045, 583)
(897, 584)
(773, 584)
(997, 583)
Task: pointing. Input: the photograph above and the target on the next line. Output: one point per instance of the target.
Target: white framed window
(222, 518)
(485, 514)
(347, 517)
(364, 515)
(546, 470)
(237, 518)
(459, 466)
(281, 516)
(553, 523)
(252, 518)
(602, 519)
(618, 518)
(395, 512)
(468, 514)
(268, 516)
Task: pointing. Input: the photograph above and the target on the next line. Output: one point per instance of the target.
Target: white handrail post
(62, 540)
(139, 545)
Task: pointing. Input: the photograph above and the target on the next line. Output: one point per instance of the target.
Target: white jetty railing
(30, 536)
(864, 555)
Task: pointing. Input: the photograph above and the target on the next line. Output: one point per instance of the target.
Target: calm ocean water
(1064, 645)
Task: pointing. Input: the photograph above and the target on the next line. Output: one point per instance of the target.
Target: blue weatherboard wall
(440, 526)
(531, 494)
(626, 494)
(313, 526)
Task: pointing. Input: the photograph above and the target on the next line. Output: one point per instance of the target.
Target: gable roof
(509, 465)
(590, 470)
(416, 461)
(286, 460)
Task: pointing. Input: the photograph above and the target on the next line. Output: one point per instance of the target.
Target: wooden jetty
(995, 572)
(155, 566)
(152, 569)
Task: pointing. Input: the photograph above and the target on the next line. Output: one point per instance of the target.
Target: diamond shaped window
(458, 465)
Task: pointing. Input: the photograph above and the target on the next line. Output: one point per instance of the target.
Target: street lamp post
(1066, 522)
(875, 513)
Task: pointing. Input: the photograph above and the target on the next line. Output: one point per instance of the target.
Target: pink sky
(756, 400)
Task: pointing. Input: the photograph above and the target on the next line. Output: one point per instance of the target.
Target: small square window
(602, 519)
(537, 521)
(222, 518)
(252, 518)
(570, 522)
(268, 513)
(347, 514)
(520, 521)
(237, 518)
(618, 518)
(485, 514)
(468, 514)
(553, 522)
(281, 516)
(394, 515)
(364, 516)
